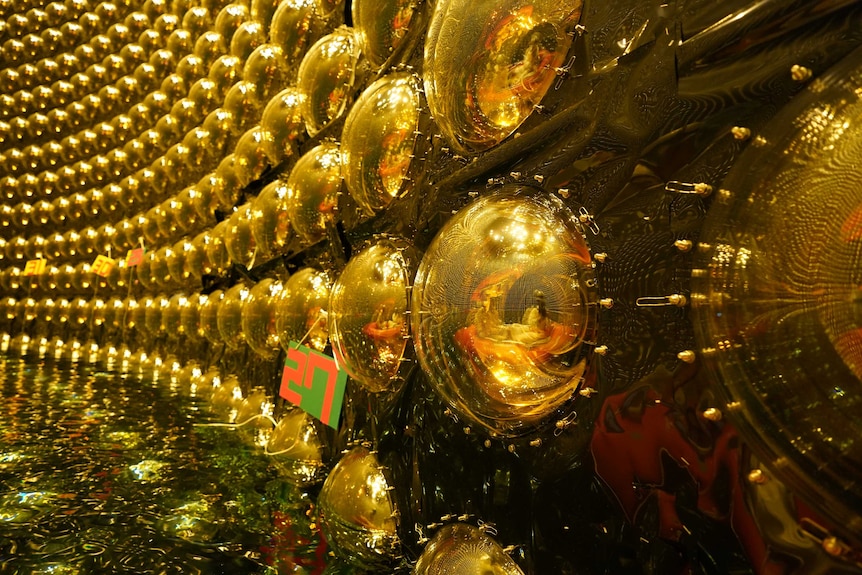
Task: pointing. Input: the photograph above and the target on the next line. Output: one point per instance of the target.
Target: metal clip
(562, 424)
(675, 299)
(587, 219)
(563, 72)
(701, 189)
(487, 528)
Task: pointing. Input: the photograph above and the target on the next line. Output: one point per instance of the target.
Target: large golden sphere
(379, 139)
(191, 68)
(266, 69)
(238, 237)
(251, 158)
(489, 63)
(248, 36)
(208, 47)
(244, 105)
(225, 72)
(358, 511)
(503, 308)
(301, 312)
(227, 186)
(369, 314)
(312, 191)
(283, 122)
(326, 78)
(270, 224)
(228, 21)
(258, 318)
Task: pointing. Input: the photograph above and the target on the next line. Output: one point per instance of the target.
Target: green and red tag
(312, 381)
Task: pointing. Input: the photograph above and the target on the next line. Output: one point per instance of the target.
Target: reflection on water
(100, 473)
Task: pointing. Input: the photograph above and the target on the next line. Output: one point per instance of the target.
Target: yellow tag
(35, 267)
(103, 266)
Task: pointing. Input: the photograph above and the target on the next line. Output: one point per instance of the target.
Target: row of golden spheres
(263, 316)
(258, 229)
(70, 183)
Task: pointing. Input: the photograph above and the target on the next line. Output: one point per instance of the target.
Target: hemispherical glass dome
(312, 191)
(357, 511)
(777, 301)
(382, 26)
(463, 548)
(301, 312)
(239, 239)
(229, 316)
(326, 78)
(209, 316)
(259, 317)
(503, 309)
(368, 312)
(379, 139)
(296, 24)
(296, 449)
(282, 121)
(489, 63)
(270, 224)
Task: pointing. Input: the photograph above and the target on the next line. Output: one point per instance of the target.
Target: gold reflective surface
(312, 191)
(229, 315)
(777, 297)
(382, 26)
(296, 449)
(378, 140)
(283, 123)
(270, 224)
(326, 78)
(258, 318)
(357, 511)
(462, 548)
(489, 63)
(503, 303)
(368, 314)
(302, 311)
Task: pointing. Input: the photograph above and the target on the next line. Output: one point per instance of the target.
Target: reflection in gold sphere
(301, 314)
(282, 120)
(777, 299)
(251, 158)
(270, 224)
(229, 316)
(357, 511)
(239, 239)
(463, 548)
(296, 25)
(369, 314)
(258, 318)
(312, 191)
(208, 47)
(225, 72)
(190, 316)
(326, 78)
(248, 36)
(216, 251)
(266, 68)
(178, 262)
(489, 63)
(378, 140)
(296, 450)
(227, 186)
(244, 105)
(503, 304)
(218, 123)
(228, 21)
(382, 26)
(209, 316)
